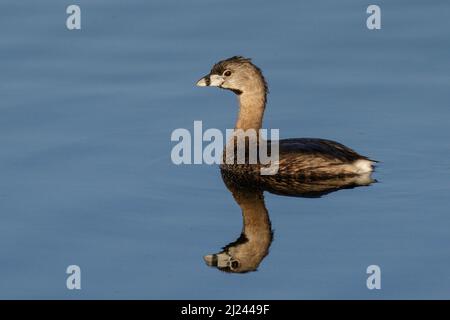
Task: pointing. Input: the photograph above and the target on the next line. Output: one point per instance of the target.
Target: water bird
(299, 158)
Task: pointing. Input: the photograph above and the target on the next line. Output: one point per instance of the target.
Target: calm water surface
(86, 175)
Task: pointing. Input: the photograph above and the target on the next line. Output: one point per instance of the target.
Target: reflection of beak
(211, 80)
(217, 260)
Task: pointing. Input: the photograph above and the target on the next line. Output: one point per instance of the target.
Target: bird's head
(237, 74)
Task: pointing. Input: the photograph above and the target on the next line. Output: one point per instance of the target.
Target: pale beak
(203, 82)
(211, 80)
(217, 260)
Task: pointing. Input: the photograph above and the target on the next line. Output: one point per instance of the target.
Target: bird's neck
(257, 226)
(251, 110)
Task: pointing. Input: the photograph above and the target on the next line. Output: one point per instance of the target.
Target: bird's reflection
(246, 253)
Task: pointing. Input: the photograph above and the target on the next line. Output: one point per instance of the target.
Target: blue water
(86, 175)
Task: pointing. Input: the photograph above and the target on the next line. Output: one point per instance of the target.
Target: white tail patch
(363, 166)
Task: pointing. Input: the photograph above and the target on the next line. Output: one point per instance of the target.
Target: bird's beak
(203, 82)
(210, 80)
(216, 260)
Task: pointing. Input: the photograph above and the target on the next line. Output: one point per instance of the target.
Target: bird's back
(310, 159)
(316, 158)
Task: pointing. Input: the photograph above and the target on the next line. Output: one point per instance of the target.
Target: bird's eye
(227, 73)
(234, 264)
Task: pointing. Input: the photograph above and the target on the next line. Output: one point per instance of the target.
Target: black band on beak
(215, 260)
(207, 80)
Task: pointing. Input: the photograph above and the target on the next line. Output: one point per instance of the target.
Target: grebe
(308, 158)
